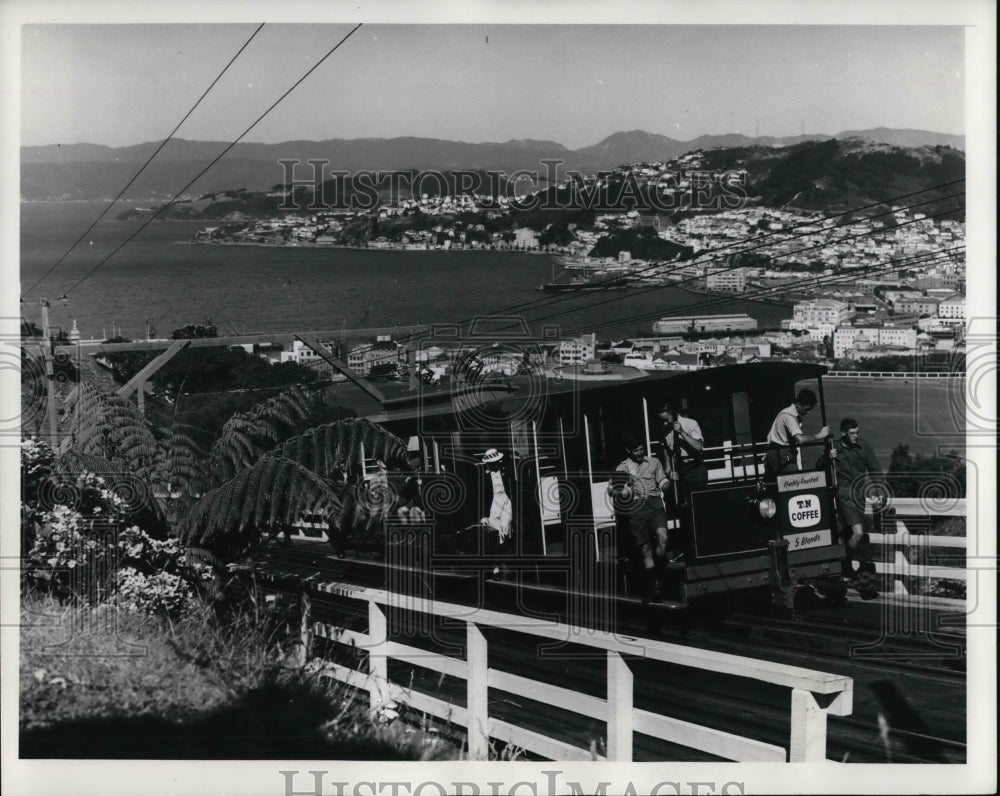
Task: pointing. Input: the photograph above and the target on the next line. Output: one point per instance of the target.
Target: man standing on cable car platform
(786, 435)
(683, 445)
(857, 470)
(639, 496)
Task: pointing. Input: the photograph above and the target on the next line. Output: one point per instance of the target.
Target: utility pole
(50, 376)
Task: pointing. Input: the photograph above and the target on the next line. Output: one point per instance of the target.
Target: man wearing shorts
(640, 497)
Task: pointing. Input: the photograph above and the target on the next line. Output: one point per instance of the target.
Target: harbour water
(249, 289)
(261, 289)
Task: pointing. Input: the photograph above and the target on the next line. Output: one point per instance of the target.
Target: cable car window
(742, 429)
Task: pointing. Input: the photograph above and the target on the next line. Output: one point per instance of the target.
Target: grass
(100, 683)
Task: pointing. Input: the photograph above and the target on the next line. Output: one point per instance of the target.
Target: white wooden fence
(904, 544)
(813, 695)
(892, 374)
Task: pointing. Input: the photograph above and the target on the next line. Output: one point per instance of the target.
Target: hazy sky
(124, 84)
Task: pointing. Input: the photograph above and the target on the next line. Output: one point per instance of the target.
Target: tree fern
(337, 447)
(110, 427)
(292, 480)
(248, 435)
(272, 493)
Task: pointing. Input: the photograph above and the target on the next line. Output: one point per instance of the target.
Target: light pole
(50, 376)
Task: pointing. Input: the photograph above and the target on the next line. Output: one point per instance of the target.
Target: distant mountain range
(92, 171)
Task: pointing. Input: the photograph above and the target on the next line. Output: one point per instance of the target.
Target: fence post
(378, 665)
(477, 693)
(305, 628)
(808, 736)
(619, 708)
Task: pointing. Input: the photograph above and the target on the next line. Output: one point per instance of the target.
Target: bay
(250, 289)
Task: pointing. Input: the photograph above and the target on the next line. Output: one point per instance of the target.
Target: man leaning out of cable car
(640, 496)
(786, 435)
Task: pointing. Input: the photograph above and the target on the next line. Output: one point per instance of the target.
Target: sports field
(926, 414)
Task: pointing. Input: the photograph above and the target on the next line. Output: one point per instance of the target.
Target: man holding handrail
(786, 435)
(683, 445)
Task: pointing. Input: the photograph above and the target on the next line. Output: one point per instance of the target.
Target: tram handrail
(814, 694)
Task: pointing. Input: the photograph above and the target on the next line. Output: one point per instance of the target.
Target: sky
(121, 84)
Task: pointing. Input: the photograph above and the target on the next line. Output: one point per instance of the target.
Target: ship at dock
(594, 278)
(585, 284)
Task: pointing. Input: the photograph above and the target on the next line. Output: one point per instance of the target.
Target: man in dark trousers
(857, 467)
(683, 443)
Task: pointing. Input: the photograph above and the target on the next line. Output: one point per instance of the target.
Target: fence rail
(813, 694)
(904, 544)
(892, 374)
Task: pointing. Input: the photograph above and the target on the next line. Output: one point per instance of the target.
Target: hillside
(89, 171)
(836, 175)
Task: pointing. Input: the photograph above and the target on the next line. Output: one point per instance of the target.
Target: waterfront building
(301, 354)
(726, 280)
(705, 323)
(525, 238)
(577, 350)
(385, 356)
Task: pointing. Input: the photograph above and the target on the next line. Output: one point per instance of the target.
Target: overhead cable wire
(148, 161)
(218, 157)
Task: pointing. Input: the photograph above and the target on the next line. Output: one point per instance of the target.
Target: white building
(577, 350)
(383, 352)
(726, 280)
(952, 310)
(821, 311)
(301, 354)
(524, 237)
(848, 339)
(705, 323)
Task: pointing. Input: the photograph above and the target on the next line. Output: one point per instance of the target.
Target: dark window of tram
(742, 429)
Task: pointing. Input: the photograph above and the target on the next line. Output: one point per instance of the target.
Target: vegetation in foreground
(133, 644)
(106, 683)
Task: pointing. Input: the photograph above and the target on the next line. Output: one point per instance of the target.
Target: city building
(577, 350)
(952, 310)
(301, 354)
(704, 323)
(385, 356)
(820, 311)
(525, 238)
(925, 305)
(848, 340)
(724, 280)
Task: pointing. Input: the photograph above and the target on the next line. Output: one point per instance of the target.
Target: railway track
(909, 703)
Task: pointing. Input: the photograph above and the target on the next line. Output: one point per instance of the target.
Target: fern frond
(337, 446)
(270, 493)
(247, 436)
